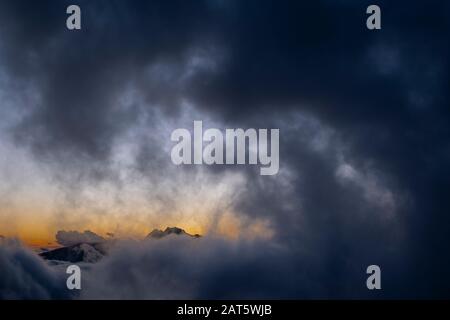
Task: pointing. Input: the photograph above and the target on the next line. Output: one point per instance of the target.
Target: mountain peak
(76, 253)
(158, 234)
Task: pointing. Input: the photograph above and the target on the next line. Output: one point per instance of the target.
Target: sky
(86, 118)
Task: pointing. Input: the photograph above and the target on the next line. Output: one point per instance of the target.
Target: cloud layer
(26, 276)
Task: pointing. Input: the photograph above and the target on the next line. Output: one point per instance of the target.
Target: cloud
(26, 276)
(185, 268)
(169, 268)
(68, 238)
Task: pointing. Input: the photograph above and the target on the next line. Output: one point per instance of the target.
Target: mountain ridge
(91, 252)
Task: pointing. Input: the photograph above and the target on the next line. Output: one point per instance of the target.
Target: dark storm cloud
(79, 76)
(383, 95)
